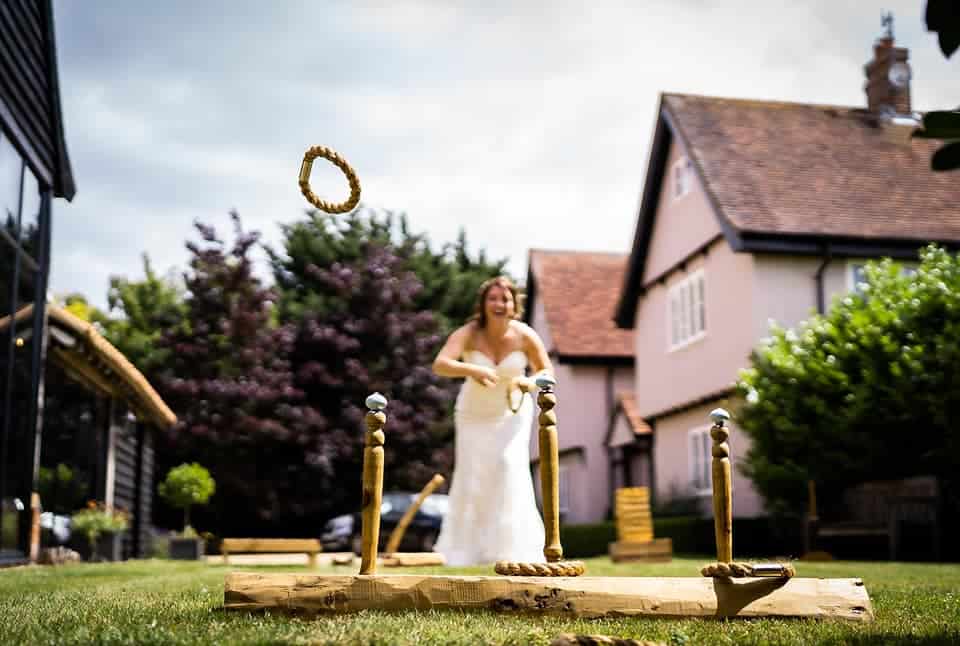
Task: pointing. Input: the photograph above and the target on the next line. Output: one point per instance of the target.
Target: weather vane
(886, 21)
(341, 163)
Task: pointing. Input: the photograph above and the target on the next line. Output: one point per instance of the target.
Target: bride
(492, 512)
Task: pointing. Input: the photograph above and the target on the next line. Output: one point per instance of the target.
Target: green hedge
(752, 537)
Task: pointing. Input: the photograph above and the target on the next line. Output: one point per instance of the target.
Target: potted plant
(103, 528)
(185, 486)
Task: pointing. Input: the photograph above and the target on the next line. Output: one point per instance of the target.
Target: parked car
(342, 533)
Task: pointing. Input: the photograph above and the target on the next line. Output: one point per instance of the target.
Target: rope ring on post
(559, 568)
(738, 570)
(331, 155)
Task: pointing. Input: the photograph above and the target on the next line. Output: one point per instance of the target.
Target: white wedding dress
(492, 512)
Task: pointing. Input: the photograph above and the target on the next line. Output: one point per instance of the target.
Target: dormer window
(682, 177)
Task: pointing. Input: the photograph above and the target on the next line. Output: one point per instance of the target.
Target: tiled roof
(793, 168)
(628, 404)
(579, 292)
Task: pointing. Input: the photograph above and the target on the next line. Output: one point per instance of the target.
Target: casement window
(699, 459)
(687, 313)
(563, 480)
(682, 177)
(857, 275)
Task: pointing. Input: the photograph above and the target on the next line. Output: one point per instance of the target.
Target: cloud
(526, 123)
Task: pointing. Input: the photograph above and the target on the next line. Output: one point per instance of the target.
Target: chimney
(888, 75)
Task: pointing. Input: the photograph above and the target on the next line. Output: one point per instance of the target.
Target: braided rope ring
(523, 393)
(739, 570)
(559, 568)
(331, 155)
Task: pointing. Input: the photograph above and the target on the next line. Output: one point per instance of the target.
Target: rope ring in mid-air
(322, 151)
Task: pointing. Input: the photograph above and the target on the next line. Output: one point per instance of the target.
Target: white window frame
(687, 311)
(682, 177)
(699, 460)
(909, 266)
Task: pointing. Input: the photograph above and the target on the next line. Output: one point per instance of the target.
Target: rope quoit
(341, 163)
(558, 568)
(739, 570)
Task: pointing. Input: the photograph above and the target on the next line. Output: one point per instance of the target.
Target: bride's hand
(523, 384)
(485, 376)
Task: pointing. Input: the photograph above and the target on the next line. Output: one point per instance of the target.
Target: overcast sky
(526, 122)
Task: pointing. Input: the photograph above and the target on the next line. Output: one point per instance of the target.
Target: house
(753, 211)
(569, 299)
(34, 169)
(99, 419)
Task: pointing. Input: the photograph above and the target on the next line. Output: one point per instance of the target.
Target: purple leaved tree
(228, 376)
(370, 336)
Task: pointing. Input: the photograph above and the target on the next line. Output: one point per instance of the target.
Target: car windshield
(395, 502)
(434, 505)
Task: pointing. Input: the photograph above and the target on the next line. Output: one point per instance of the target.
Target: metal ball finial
(719, 416)
(376, 401)
(545, 382)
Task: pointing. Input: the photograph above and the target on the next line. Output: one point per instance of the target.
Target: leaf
(940, 124)
(943, 17)
(947, 158)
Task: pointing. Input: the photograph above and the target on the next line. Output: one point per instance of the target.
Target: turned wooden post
(397, 535)
(722, 496)
(372, 482)
(549, 468)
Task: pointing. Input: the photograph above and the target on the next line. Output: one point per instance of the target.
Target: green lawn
(180, 603)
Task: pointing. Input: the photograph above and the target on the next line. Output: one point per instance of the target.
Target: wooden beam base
(571, 596)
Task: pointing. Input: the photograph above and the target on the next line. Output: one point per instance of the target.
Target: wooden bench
(879, 509)
(635, 541)
(309, 546)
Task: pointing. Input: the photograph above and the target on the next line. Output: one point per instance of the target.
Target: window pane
(674, 320)
(10, 170)
(30, 215)
(703, 304)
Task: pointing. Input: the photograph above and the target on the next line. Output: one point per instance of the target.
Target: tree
(865, 392)
(185, 486)
(449, 276)
(943, 18)
(228, 377)
(139, 312)
(372, 337)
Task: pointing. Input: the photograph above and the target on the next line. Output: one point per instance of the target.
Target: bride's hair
(480, 313)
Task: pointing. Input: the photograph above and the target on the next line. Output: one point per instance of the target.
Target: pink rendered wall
(667, 378)
(582, 422)
(682, 224)
(671, 456)
(582, 419)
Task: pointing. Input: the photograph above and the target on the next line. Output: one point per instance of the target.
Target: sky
(526, 123)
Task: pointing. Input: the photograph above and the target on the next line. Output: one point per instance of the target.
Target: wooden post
(722, 496)
(34, 526)
(372, 482)
(397, 535)
(549, 468)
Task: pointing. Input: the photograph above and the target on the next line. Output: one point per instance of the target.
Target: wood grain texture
(722, 494)
(550, 475)
(372, 491)
(845, 599)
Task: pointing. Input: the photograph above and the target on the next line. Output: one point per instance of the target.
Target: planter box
(186, 549)
(109, 547)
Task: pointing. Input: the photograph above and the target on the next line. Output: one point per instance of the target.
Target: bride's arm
(448, 364)
(537, 357)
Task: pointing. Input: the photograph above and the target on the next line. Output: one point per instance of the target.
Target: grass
(169, 602)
